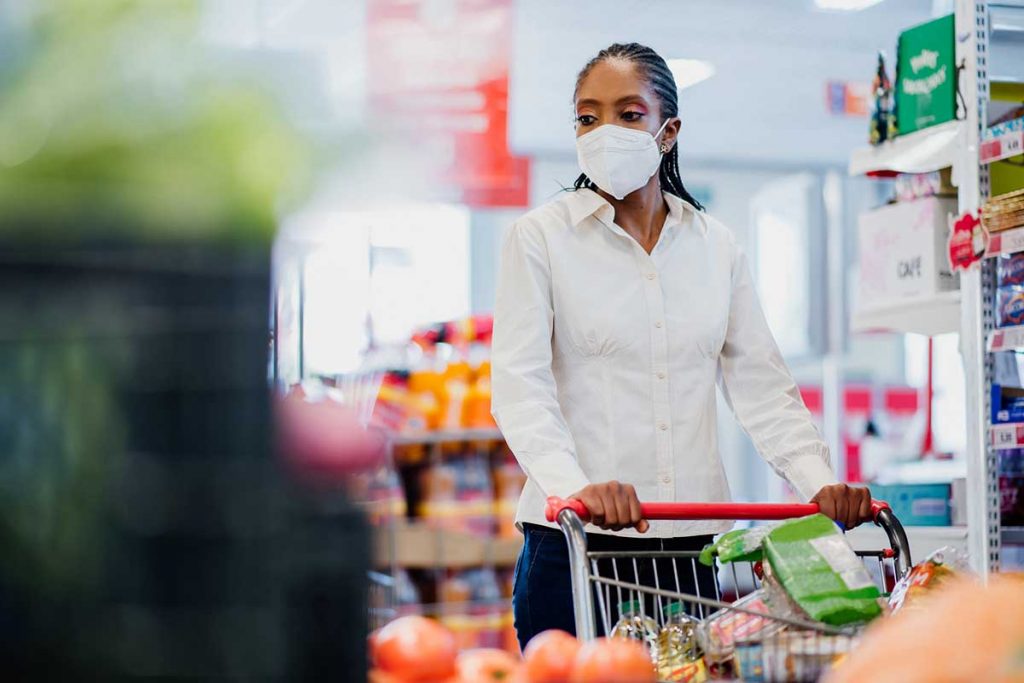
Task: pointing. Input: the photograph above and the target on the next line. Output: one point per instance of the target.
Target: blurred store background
(200, 196)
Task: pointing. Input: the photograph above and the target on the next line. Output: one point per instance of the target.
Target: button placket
(659, 362)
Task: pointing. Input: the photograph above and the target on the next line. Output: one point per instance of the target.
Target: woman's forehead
(614, 80)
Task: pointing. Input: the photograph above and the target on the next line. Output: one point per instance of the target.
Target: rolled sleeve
(763, 395)
(524, 394)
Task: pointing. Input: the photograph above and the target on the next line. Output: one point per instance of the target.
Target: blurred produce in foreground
(146, 529)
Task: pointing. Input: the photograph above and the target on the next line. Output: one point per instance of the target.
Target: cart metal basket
(736, 626)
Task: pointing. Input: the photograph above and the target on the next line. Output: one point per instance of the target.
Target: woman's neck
(641, 213)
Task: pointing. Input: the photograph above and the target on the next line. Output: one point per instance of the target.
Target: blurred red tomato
(611, 660)
(549, 657)
(415, 649)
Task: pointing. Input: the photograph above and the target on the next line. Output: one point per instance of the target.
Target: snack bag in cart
(819, 570)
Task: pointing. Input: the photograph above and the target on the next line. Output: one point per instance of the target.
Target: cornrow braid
(655, 70)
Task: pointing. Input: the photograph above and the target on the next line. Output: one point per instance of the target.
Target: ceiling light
(690, 72)
(845, 5)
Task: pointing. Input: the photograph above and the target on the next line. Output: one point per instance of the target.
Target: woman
(619, 306)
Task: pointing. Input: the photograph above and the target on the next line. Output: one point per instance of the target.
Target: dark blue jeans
(542, 586)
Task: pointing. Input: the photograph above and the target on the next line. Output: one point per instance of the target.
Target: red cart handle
(695, 511)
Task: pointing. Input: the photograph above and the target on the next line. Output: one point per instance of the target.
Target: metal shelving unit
(958, 145)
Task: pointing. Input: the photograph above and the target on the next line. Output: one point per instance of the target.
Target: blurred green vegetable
(117, 121)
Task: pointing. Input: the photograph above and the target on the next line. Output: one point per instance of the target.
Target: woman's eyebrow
(589, 102)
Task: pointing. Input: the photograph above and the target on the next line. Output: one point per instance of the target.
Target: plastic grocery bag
(739, 545)
(819, 570)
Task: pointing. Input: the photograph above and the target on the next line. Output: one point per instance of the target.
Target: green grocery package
(926, 76)
(819, 570)
(738, 545)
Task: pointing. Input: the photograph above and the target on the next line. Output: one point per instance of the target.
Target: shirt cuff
(809, 472)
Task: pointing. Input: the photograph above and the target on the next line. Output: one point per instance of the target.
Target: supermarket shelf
(416, 545)
(1013, 535)
(1006, 339)
(447, 436)
(929, 315)
(1002, 141)
(923, 539)
(924, 151)
(1007, 435)
(1005, 242)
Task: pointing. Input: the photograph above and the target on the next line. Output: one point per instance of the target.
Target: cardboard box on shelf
(903, 252)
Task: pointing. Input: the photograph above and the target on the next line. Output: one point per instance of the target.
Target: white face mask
(619, 160)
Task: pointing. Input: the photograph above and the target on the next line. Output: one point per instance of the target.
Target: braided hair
(655, 70)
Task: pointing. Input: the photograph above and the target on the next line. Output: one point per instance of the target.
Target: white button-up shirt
(605, 360)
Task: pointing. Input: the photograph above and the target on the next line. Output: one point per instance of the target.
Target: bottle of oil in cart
(634, 625)
(679, 655)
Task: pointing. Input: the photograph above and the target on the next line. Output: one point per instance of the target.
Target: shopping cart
(765, 640)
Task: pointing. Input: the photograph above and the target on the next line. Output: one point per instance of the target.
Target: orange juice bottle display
(455, 387)
(474, 493)
(437, 495)
(509, 480)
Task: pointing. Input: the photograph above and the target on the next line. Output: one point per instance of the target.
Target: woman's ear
(669, 136)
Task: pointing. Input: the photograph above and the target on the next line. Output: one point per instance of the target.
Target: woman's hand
(613, 506)
(849, 505)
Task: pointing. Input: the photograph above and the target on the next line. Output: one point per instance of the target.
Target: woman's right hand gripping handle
(612, 506)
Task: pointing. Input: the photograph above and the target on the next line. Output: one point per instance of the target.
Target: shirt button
(667, 479)
(650, 276)
(658, 324)
(662, 426)
(661, 375)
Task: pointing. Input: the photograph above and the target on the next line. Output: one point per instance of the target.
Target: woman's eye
(632, 116)
(585, 119)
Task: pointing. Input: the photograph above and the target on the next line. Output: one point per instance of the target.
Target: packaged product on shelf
(1011, 496)
(437, 494)
(1010, 306)
(926, 576)
(819, 570)
(679, 654)
(380, 494)
(407, 595)
(474, 493)
(476, 408)
(509, 480)
(1011, 269)
(720, 632)
(472, 607)
(1011, 462)
(633, 624)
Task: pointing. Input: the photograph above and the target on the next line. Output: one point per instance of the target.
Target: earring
(664, 148)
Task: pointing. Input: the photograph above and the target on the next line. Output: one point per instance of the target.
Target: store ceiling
(766, 103)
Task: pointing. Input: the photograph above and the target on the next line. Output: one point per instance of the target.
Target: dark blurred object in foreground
(147, 531)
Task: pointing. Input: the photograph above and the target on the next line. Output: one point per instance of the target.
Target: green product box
(926, 76)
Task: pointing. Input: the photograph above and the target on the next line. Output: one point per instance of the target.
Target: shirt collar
(584, 203)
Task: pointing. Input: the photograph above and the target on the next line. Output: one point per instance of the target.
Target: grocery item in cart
(633, 624)
(738, 545)
(679, 653)
(819, 570)
(795, 655)
(721, 631)
(926, 576)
